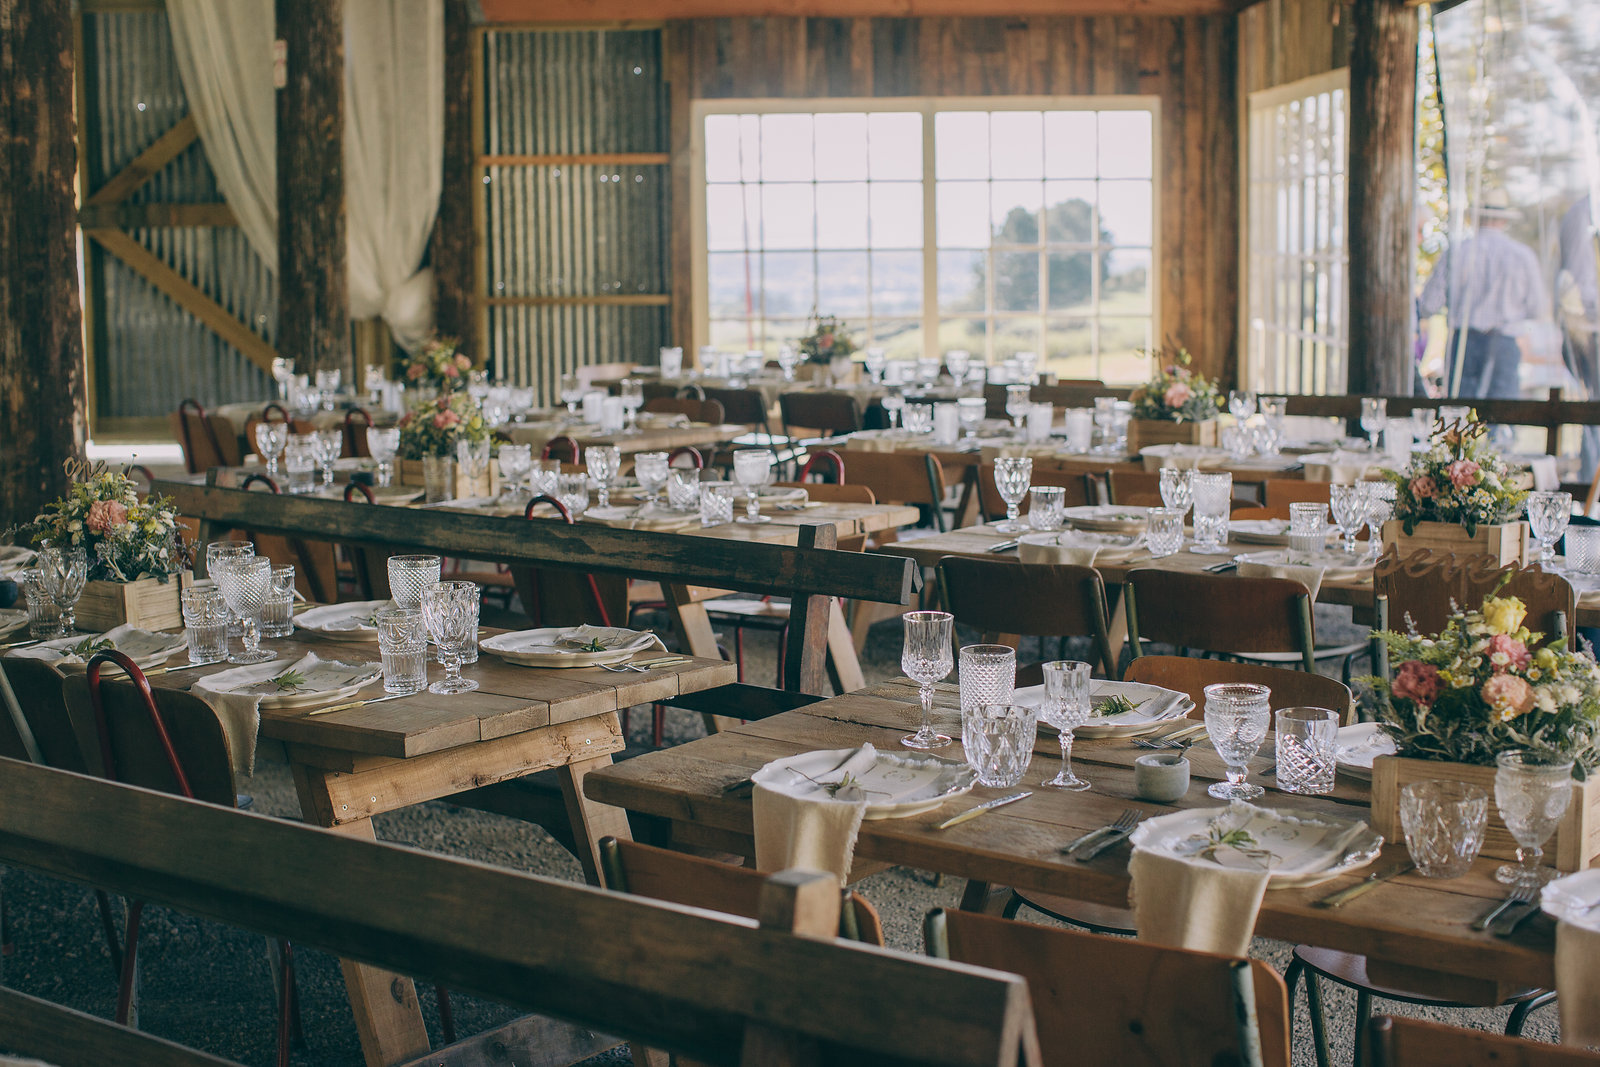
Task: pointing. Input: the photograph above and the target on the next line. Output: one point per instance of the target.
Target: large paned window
(1296, 243)
(932, 225)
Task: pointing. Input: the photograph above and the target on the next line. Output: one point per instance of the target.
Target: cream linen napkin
(612, 638)
(144, 643)
(240, 713)
(1306, 574)
(1578, 982)
(1080, 549)
(806, 828)
(1202, 907)
(871, 441)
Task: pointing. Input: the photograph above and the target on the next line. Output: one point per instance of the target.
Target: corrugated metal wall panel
(535, 345)
(565, 92)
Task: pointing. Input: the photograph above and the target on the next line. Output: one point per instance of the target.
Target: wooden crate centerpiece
(1142, 433)
(1504, 543)
(1574, 846)
(410, 472)
(148, 603)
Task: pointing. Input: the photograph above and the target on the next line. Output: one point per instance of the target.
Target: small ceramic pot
(1161, 776)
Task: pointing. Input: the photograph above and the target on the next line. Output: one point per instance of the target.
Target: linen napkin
(133, 641)
(611, 638)
(873, 441)
(1277, 565)
(1203, 907)
(1083, 549)
(803, 827)
(1578, 983)
(240, 712)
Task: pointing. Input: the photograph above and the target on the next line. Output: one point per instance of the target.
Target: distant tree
(1016, 281)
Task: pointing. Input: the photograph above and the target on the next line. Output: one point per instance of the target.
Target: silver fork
(1520, 895)
(1124, 824)
(1163, 742)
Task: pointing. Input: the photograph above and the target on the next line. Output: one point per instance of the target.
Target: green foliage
(125, 539)
(432, 427)
(1175, 392)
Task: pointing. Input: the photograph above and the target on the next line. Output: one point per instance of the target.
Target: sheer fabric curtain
(393, 145)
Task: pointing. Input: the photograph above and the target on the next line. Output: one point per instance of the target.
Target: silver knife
(1084, 839)
(1003, 546)
(973, 813)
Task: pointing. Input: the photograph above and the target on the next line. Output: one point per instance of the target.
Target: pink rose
(1423, 487)
(1417, 681)
(450, 371)
(104, 514)
(1507, 653)
(1177, 395)
(405, 420)
(414, 371)
(441, 420)
(1508, 695)
(463, 362)
(1464, 472)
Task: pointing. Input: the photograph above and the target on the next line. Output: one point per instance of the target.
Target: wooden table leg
(689, 618)
(984, 898)
(590, 820)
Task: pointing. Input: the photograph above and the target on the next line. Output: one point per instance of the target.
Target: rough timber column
(454, 249)
(313, 298)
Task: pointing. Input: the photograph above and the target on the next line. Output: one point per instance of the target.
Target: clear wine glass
(1027, 366)
(957, 361)
(1374, 417)
(1177, 488)
(651, 470)
(245, 583)
(603, 462)
(1018, 398)
(1422, 420)
(1066, 707)
(969, 414)
(1012, 475)
(751, 468)
(926, 657)
(64, 570)
(571, 392)
(1532, 792)
(892, 403)
(1548, 515)
(1273, 410)
(875, 360)
(328, 387)
(1237, 718)
(328, 444)
(382, 446)
(450, 611)
(631, 390)
(271, 439)
(516, 463)
(788, 360)
(1380, 500)
(1241, 403)
(1348, 504)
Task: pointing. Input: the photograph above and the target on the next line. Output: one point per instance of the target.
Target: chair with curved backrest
(356, 421)
(295, 426)
(1111, 1000)
(1134, 489)
(1218, 613)
(208, 440)
(1418, 589)
(1005, 601)
(1399, 1042)
(1079, 487)
(911, 478)
(370, 565)
(564, 448)
(827, 457)
(275, 412)
(706, 411)
(316, 564)
(819, 414)
(1281, 492)
(689, 452)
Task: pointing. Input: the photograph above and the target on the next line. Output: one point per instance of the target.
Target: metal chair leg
(1363, 1016)
(127, 987)
(447, 1019)
(1319, 1022)
(1291, 979)
(113, 945)
(1519, 1013)
(286, 995)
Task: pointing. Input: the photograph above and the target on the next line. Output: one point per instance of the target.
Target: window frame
(928, 107)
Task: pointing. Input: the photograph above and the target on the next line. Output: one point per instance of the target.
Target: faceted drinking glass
(516, 461)
(1307, 739)
(1548, 516)
(271, 437)
(1177, 488)
(44, 618)
(64, 571)
(409, 576)
(300, 460)
(473, 458)
(1349, 507)
(277, 615)
(631, 390)
(997, 740)
(1241, 403)
(1308, 526)
(970, 411)
(683, 489)
(245, 583)
(1444, 824)
(988, 675)
(573, 492)
(603, 461)
(1066, 707)
(1012, 475)
(1163, 531)
(1237, 717)
(1212, 492)
(651, 470)
(1046, 507)
(1532, 792)
(383, 444)
(1379, 498)
(450, 611)
(925, 657)
(716, 503)
(1583, 549)
(1018, 399)
(1374, 417)
(329, 446)
(205, 624)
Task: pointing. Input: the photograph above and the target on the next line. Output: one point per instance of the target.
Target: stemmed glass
(382, 445)
(63, 570)
(969, 414)
(651, 470)
(1548, 516)
(1018, 398)
(631, 390)
(1241, 404)
(1532, 793)
(751, 466)
(571, 391)
(245, 582)
(926, 657)
(1212, 492)
(1380, 498)
(1105, 420)
(788, 360)
(1177, 488)
(328, 444)
(1012, 475)
(1237, 717)
(271, 439)
(473, 457)
(516, 463)
(1273, 410)
(1374, 417)
(957, 360)
(892, 403)
(875, 360)
(603, 461)
(1422, 425)
(409, 576)
(327, 387)
(1066, 707)
(450, 611)
(1349, 507)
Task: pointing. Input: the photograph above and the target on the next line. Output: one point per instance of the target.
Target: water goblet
(892, 402)
(631, 390)
(788, 360)
(1012, 475)
(1443, 824)
(1273, 411)
(450, 611)
(1374, 417)
(1307, 740)
(1548, 516)
(516, 461)
(1241, 403)
(64, 570)
(651, 470)
(1027, 367)
(927, 372)
(1349, 509)
(1046, 507)
(875, 360)
(1163, 531)
(925, 657)
(1066, 707)
(409, 576)
(1237, 716)
(1212, 493)
(231, 549)
(573, 492)
(604, 461)
(1177, 488)
(958, 361)
(329, 445)
(245, 583)
(683, 489)
(1018, 397)
(751, 468)
(1532, 792)
(271, 437)
(327, 387)
(1379, 498)
(382, 444)
(473, 459)
(571, 393)
(970, 411)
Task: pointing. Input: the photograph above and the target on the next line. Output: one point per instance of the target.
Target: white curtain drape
(393, 143)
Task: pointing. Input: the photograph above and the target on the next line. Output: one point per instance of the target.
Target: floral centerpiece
(437, 363)
(828, 340)
(1459, 480)
(125, 539)
(1176, 392)
(432, 427)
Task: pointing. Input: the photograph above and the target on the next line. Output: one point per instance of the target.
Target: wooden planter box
(410, 473)
(1504, 543)
(148, 603)
(1142, 433)
(1574, 846)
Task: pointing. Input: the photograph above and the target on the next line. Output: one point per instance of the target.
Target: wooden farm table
(1408, 925)
(351, 765)
(649, 439)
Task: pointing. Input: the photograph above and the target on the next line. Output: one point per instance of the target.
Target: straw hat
(1497, 205)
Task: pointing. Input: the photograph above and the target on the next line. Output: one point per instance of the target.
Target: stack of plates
(543, 648)
(894, 784)
(1358, 746)
(1299, 850)
(145, 647)
(1155, 708)
(351, 620)
(1107, 518)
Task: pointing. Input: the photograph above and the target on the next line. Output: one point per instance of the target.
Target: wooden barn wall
(1283, 41)
(1190, 63)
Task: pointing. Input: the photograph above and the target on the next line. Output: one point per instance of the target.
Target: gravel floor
(208, 986)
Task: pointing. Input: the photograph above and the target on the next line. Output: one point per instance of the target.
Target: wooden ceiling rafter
(589, 12)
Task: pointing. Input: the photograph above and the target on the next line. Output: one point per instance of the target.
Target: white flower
(1544, 701)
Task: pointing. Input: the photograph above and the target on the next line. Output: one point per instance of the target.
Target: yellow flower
(1503, 614)
(1545, 659)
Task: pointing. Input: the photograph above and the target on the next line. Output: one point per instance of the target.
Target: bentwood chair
(1217, 613)
(1112, 1000)
(707, 411)
(1006, 601)
(208, 440)
(1398, 1042)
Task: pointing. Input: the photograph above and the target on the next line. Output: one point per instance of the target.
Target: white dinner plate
(1336, 566)
(1305, 850)
(894, 784)
(540, 648)
(1107, 518)
(1358, 746)
(327, 682)
(1110, 547)
(351, 620)
(1155, 708)
(11, 618)
(146, 648)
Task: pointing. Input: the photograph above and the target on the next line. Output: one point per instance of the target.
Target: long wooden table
(647, 439)
(349, 766)
(1409, 925)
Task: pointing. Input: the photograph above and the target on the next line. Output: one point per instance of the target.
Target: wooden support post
(313, 299)
(454, 247)
(43, 397)
(1383, 88)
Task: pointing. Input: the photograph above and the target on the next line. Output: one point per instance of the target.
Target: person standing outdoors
(1490, 284)
(1578, 312)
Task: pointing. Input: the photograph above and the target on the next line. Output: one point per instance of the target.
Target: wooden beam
(455, 249)
(43, 394)
(187, 296)
(313, 295)
(37, 1027)
(148, 164)
(624, 159)
(123, 216)
(1382, 183)
(611, 11)
(614, 299)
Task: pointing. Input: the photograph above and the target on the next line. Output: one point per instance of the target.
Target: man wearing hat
(1491, 284)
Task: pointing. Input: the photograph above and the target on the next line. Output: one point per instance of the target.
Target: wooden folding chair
(1398, 1042)
(901, 478)
(1134, 489)
(1217, 613)
(1111, 1000)
(1079, 486)
(1281, 492)
(1006, 601)
(810, 415)
(208, 440)
(316, 564)
(1424, 588)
